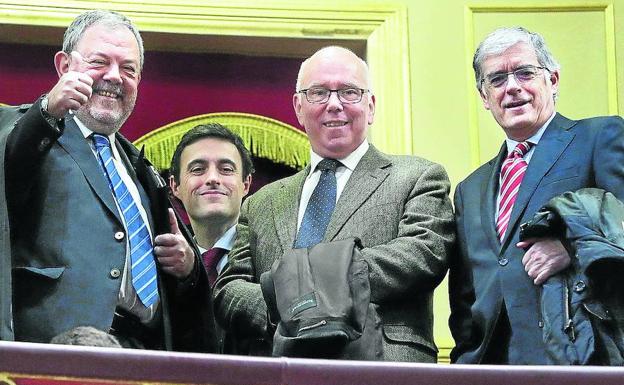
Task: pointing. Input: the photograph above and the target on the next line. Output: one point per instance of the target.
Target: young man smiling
(211, 174)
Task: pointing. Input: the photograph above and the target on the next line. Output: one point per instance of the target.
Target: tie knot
(100, 141)
(328, 164)
(521, 149)
(212, 257)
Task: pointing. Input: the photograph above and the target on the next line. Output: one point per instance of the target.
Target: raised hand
(73, 88)
(174, 254)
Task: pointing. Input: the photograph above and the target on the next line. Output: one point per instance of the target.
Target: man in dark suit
(211, 174)
(495, 280)
(397, 205)
(92, 240)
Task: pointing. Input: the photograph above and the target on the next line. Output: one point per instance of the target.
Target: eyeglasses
(319, 95)
(522, 75)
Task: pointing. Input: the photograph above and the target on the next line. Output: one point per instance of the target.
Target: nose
(334, 103)
(212, 177)
(113, 74)
(512, 86)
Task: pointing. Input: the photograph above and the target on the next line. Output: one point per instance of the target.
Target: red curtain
(173, 86)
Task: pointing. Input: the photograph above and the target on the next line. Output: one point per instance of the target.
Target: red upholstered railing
(27, 363)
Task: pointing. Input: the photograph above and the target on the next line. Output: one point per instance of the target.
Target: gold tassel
(264, 137)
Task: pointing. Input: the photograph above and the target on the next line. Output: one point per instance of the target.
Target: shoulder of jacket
(24, 107)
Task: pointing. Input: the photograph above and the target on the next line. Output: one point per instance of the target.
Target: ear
(554, 81)
(484, 99)
(61, 63)
(297, 107)
(246, 185)
(174, 186)
(371, 109)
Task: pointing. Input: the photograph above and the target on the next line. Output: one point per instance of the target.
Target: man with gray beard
(92, 240)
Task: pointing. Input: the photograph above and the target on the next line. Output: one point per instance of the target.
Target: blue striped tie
(141, 252)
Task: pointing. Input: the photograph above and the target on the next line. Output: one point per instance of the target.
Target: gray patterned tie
(320, 207)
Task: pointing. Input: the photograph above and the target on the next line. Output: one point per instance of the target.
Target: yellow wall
(420, 53)
(449, 123)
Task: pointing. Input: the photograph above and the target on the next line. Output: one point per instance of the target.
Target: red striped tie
(512, 173)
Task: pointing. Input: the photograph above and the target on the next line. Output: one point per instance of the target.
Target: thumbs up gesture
(73, 88)
(174, 254)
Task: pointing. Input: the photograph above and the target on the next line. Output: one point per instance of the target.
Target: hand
(175, 255)
(72, 90)
(544, 258)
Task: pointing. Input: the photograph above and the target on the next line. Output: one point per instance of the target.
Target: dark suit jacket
(397, 205)
(485, 274)
(8, 115)
(65, 255)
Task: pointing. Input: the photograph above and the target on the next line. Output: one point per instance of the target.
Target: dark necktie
(320, 207)
(511, 175)
(143, 265)
(211, 259)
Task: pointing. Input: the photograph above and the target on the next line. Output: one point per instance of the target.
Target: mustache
(106, 86)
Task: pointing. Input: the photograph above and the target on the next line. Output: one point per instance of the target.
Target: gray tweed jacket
(399, 208)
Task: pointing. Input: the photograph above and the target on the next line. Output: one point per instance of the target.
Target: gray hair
(112, 19)
(502, 39)
(331, 47)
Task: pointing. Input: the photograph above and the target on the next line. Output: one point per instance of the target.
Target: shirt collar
(225, 242)
(511, 144)
(350, 161)
(86, 132)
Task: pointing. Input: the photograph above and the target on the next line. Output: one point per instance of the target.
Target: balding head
(336, 124)
(333, 52)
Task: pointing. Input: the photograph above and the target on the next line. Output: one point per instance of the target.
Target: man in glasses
(496, 280)
(397, 206)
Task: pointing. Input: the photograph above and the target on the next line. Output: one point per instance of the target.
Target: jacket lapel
(285, 207)
(77, 147)
(489, 192)
(550, 147)
(147, 181)
(370, 172)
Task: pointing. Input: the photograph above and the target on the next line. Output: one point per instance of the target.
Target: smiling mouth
(335, 124)
(212, 192)
(516, 104)
(108, 94)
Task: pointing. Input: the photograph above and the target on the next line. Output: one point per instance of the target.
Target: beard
(106, 115)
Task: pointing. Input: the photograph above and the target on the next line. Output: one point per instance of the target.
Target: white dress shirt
(128, 298)
(511, 145)
(343, 173)
(226, 242)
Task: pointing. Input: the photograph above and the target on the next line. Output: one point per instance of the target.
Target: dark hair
(210, 130)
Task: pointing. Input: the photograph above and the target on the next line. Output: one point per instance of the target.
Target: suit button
(503, 261)
(579, 286)
(45, 142)
(115, 273)
(119, 235)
